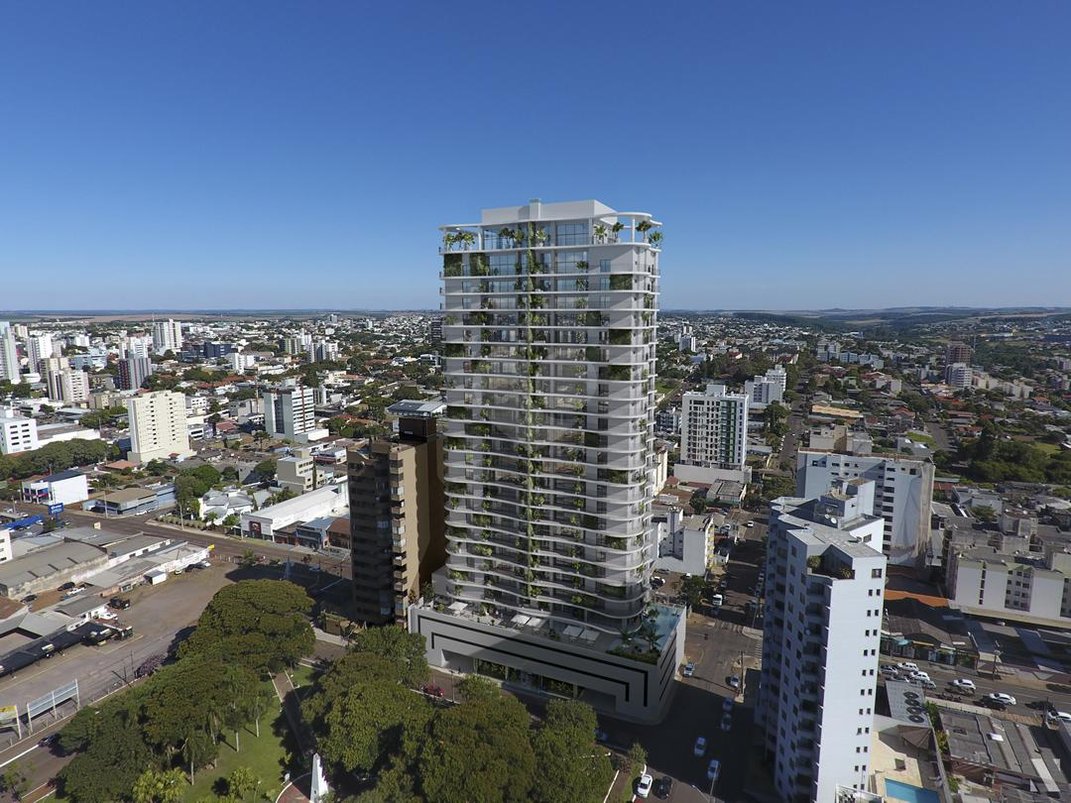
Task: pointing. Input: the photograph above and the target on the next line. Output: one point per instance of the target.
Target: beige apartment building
(158, 426)
(397, 507)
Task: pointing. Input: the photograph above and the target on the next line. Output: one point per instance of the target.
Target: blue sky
(854, 154)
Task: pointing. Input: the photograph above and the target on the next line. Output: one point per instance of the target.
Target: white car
(1001, 697)
(1054, 717)
(919, 675)
(963, 684)
(689, 670)
(700, 746)
(908, 666)
(890, 671)
(712, 769)
(643, 785)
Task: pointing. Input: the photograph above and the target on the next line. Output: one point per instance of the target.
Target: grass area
(266, 756)
(921, 437)
(1050, 449)
(303, 675)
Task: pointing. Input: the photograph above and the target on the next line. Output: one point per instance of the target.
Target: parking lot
(157, 614)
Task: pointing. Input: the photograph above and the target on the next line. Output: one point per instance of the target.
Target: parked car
(890, 671)
(734, 682)
(28, 599)
(700, 746)
(962, 684)
(663, 787)
(689, 670)
(907, 666)
(119, 603)
(1056, 717)
(750, 524)
(1001, 697)
(47, 741)
(713, 768)
(432, 690)
(726, 722)
(727, 705)
(643, 785)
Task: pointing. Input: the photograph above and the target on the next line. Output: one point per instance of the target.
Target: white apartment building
(297, 472)
(958, 375)
(289, 411)
(1024, 585)
(9, 355)
(67, 385)
(713, 435)
(240, 362)
(904, 493)
(139, 346)
(821, 634)
(39, 347)
(768, 388)
(17, 434)
(549, 335)
(167, 336)
(158, 426)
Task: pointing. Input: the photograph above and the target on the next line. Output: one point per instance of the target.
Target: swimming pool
(894, 790)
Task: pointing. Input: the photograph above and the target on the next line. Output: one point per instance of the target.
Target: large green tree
(571, 768)
(159, 786)
(259, 624)
(480, 750)
(403, 649)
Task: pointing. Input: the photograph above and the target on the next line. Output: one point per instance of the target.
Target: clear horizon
(836, 155)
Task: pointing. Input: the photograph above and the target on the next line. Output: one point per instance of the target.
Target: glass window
(604, 266)
(572, 234)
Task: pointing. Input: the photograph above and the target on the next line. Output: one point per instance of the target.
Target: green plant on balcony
(600, 231)
(592, 318)
(579, 504)
(617, 543)
(655, 239)
(643, 227)
(478, 265)
(616, 230)
(620, 337)
(451, 266)
(620, 282)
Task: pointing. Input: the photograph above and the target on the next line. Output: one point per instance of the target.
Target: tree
(14, 782)
(159, 786)
(984, 513)
(403, 649)
(265, 469)
(260, 624)
(479, 750)
(112, 752)
(571, 766)
(242, 783)
(635, 759)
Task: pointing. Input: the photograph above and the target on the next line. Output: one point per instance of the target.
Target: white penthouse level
(549, 358)
(821, 633)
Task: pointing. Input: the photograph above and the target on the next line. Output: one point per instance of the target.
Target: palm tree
(449, 238)
(466, 238)
(643, 227)
(600, 232)
(655, 239)
(616, 229)
(540, 236)
(507, 233)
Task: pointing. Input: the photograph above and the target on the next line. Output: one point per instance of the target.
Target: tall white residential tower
(821, 633)
(9, 355)
(549, 358)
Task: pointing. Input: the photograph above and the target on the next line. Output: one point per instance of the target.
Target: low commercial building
(59, 433)
(297, 472)
(66, 487)
(133, 501)
(50, 567)
(322, 502)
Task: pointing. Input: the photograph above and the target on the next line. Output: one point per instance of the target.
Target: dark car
(28, 599)
(49, 740)
(432, 690)
(663, 787)
(120, 603)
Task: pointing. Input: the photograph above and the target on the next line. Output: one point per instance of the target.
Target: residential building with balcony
(903, 496)
(167, 336)
(17, 434)
(821, 636)
(297, 472)
(158, 426)
(768, 388)
(549, 356)
(397, 514)
(713, 435)
(133, 371)
(289, 411)
(9, 355)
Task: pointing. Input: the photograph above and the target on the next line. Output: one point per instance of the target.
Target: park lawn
(265, 756)
(303, 676)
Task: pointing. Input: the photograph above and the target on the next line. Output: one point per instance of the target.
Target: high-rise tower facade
(549, 321)
(549, 344)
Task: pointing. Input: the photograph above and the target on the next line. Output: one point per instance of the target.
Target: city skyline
(226, 160)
